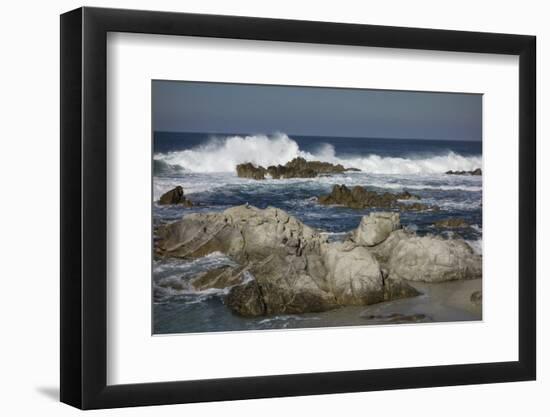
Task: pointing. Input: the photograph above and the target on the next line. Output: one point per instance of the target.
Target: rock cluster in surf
(476, 171)
(360, 198)
(297, 168)
(286, 267)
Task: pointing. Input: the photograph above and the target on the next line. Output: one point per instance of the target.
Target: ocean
(204, 165)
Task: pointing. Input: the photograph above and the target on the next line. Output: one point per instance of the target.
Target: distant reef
(476, 171)
(297, 168)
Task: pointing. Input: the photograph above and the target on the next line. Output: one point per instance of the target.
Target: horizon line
(319, 136)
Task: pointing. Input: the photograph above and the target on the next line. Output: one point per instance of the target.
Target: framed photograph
(256, 208)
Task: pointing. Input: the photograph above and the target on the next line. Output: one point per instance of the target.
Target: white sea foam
(224, 154)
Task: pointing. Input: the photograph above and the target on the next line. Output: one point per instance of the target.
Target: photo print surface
(282, 207)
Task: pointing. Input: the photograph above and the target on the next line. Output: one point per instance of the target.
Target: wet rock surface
(396, 318)
(297, 168)
(476, 298)
(287, 267)
(175, 196)
(360, 198)
(476, 171)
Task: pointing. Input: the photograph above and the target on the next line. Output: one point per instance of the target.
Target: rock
(395, 289)
(383, 251)
(245, 300)
(175, 196)
(297, 168)
(476, 171)
(245, 233)
(451, 223)
(354, 274)
(219, 278)
(249, 170)
(396, 318)
(360, 198)
(293, 267)
(376, 227)
(417, 207)
(293, 284)
(433, 259)
(476, 298)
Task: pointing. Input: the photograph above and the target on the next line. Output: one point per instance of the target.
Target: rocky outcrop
(476, 298)
(252, 171)
(375, 228)
(175, 196)
(286, 267)
(476, 171)
(296, 269)
(454, 223)
(432, 259)
(297, 168)
(360, 198)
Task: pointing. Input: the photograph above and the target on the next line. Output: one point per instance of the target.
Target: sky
(182, 106)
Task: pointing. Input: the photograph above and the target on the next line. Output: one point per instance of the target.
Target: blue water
(204, 164)
(177, 141)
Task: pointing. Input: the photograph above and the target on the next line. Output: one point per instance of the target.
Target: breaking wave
(224, 154)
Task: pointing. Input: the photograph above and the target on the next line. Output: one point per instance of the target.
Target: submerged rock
(454, 223)
(297, 168)
(360, 198)
(175, 196)
(476, 171)
(476, 298)
(396, 318)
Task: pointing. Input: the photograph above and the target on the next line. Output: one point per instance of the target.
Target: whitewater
(223, 154)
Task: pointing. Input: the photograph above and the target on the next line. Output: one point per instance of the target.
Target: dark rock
(451, 223)
(396, 318)
(219, 278)
(395, 289)
(249, 170)
(360, 198)
(476, 171)
(476, 298)
(246, 300)
(175, 196)
(297, 168)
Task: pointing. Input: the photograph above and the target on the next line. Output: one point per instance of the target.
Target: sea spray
(223, 154)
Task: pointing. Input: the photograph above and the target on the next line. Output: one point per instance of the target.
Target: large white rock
(376, 227)
(285, 266)
(433, 259)
(354, 275)
(245, 233)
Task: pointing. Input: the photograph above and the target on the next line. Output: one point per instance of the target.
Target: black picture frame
(84, 207)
